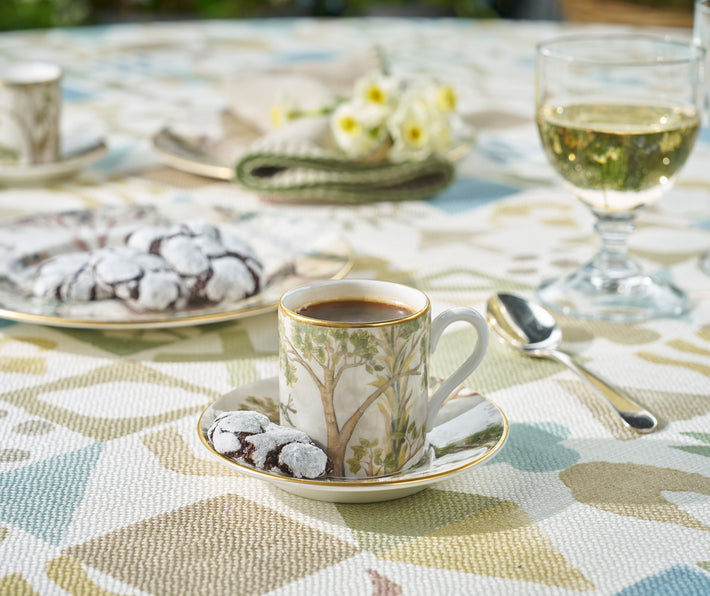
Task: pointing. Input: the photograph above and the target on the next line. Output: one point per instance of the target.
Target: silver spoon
(531, 329)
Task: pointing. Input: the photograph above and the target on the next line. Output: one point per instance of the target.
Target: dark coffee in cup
(354, 311)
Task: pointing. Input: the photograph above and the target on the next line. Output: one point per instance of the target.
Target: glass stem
(613, 258)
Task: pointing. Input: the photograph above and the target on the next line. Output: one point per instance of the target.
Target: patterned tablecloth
(105, 486)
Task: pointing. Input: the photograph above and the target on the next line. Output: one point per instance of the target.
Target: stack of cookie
(157, 268)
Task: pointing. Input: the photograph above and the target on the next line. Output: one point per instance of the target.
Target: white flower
(441, 133)
(278, 115)
(443, 96)
(411, 128)
(283, 111)
(416, 119)
(353, 130)
(378, 94)
(287, 108)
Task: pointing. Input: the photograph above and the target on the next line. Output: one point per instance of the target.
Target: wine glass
(618, 116)
(701, 37)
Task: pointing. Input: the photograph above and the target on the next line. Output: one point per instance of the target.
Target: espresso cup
(30, 112)
(353, 370)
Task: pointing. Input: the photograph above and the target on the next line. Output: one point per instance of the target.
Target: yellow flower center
(349, 125)
(414, 134)
(446, 98)
(376, 95)
(277, 116)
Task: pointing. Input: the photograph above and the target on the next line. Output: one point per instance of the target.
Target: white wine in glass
(618, 116)
(701, 37)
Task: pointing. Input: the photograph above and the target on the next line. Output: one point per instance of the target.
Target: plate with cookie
(136, 267)
(241, 430)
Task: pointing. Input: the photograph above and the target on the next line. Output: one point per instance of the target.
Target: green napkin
(299, 163)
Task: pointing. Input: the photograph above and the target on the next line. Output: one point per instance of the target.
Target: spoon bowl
(524, 324)
(530, 328)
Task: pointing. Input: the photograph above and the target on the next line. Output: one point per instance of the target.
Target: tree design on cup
(30, 112)
(391, 360)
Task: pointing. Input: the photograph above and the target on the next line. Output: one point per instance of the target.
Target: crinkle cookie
(68, 277)
(214, 264)
(159, 268)
(252, 438)
(142, 280)
(229, 430)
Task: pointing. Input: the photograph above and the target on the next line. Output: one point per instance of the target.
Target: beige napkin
(300, 162)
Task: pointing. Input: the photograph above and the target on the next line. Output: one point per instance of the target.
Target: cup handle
(446, 318)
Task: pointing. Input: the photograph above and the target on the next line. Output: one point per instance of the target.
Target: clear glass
(701, 37)
(618, 116)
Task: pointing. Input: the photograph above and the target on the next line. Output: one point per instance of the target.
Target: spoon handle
(633, 415)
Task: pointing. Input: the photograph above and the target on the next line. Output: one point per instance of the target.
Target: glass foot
(636, 297)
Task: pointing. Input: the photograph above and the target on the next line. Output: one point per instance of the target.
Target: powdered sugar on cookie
(159, 268)
(213, 264)
(303, 460)
(229, 430)
(251, 438)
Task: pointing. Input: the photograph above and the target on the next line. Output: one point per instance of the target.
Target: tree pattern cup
(361, 389)
(30, 111)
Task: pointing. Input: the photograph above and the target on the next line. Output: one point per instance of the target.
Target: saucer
(73, 159)
(210, 149)
(194, 156)
(469, 430)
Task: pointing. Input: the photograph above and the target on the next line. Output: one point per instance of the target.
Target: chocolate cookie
(213, 264)
(159, 268)
(67, 277)
(250, 437)
(143, 280)
(229, 431)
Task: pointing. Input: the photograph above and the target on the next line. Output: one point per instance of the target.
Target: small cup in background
(30, 112)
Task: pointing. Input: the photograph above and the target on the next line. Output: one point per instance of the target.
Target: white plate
(293, 251)
(469, 430)
(71, 162)
(211, 150)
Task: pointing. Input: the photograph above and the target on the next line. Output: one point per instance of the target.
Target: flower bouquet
(391, 139)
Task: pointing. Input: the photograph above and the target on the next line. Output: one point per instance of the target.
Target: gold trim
(345, 325)
(191, 166)
(145, 323)
(385, 481)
